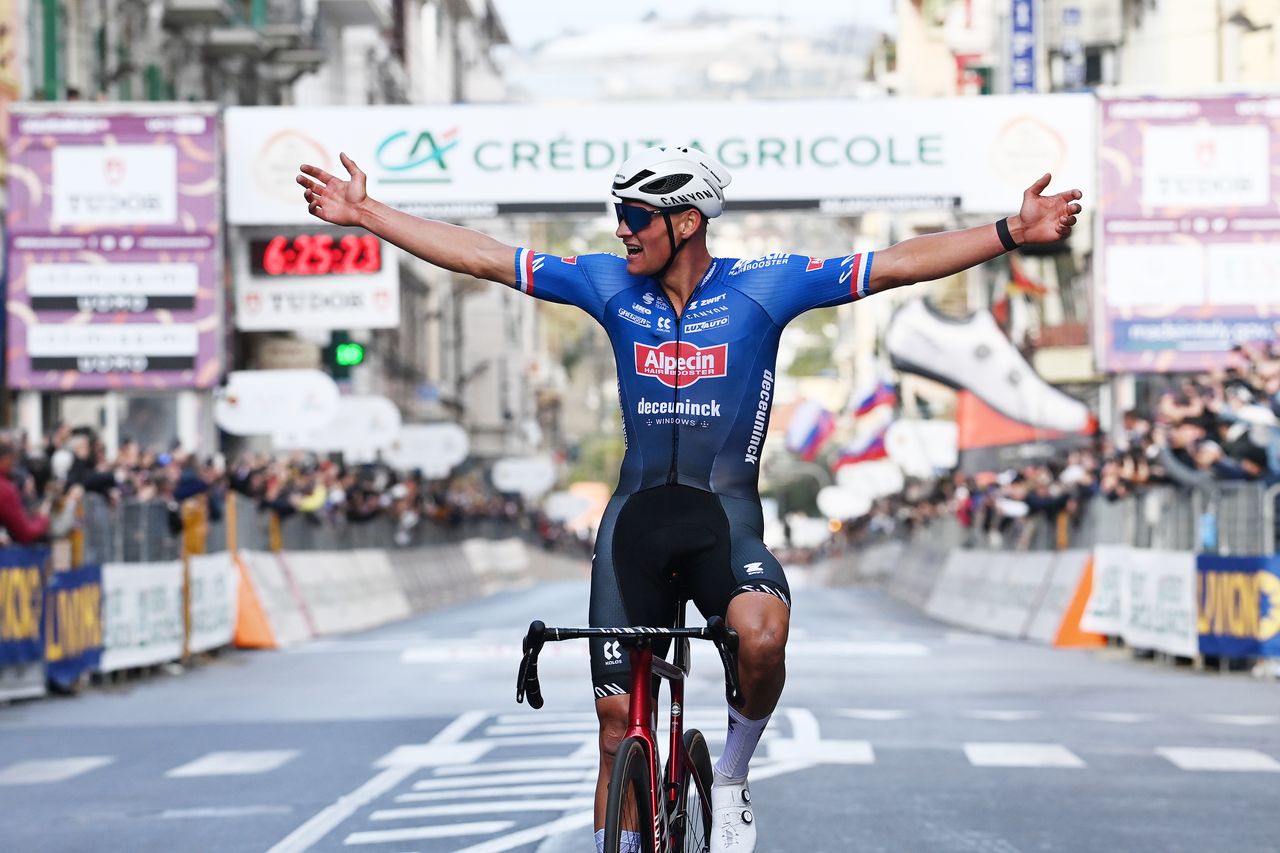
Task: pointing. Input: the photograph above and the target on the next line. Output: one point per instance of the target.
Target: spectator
(21, 528)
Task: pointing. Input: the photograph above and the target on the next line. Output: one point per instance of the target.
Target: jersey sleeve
(587, 281)
(788, 285)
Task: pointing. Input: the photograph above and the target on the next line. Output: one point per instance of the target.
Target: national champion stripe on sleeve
(855, 275)
(864, 285)
(524, 270)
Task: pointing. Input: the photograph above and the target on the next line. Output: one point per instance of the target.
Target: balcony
(288, 65)
(227, 42)
(181, 14)
(280, 37)
(356, 13)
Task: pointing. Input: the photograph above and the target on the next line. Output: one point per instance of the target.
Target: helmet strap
(675, 247)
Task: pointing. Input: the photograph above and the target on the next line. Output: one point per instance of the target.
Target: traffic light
(342, 354)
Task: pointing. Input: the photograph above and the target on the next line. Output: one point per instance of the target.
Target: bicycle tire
(629, 806)
(691, 823)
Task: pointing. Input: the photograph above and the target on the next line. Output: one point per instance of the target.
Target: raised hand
(1046, 218)
(331, 198)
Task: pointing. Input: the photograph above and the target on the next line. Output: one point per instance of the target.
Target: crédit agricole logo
(417, 158)
(679, 365)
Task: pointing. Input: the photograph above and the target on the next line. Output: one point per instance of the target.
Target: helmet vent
(635, 179)
(666, 184)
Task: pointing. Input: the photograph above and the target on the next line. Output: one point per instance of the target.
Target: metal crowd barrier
(1227, 519)
(152, 531)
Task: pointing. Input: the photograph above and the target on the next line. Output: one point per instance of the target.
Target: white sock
(744, 734)
(630, 841)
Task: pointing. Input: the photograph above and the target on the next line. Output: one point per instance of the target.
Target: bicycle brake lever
(726, 640)
(527, 680)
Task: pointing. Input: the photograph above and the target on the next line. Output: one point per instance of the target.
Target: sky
(531, 21)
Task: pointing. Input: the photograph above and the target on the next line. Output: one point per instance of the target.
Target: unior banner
(215, 591)
(73, 624)
(141, 615)
(1239, 606)
(114, 247)
(1190, 207)
(839, 156)
(22, 604)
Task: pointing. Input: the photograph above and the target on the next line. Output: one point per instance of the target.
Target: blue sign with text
(1022, 65)
(1239, 604)
(22, 604)
(73, 624)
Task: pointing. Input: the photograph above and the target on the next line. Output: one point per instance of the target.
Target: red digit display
(315, 254)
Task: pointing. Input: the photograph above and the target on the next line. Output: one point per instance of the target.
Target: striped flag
(810, 426)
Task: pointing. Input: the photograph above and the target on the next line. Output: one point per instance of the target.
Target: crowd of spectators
(72, 465)
(1199, 431)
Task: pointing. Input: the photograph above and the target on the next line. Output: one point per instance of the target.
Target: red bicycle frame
(643, 724)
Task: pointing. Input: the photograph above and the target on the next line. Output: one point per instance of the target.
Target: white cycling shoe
(733, 823)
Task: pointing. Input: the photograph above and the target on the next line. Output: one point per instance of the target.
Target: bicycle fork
(664, 790)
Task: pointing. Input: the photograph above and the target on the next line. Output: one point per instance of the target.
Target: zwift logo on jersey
(681, 364)
(403, 151)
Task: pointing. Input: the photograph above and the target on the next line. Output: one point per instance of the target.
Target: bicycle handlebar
(724, 637)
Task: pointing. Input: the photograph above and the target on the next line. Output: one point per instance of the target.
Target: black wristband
(1006, 239)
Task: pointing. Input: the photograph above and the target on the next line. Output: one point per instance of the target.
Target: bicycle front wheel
(629, 810)
(691, 827)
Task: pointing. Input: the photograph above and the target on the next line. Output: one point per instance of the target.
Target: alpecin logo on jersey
(815, 264)
(679, 365)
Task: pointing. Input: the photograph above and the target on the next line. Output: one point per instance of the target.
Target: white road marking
(1003, 716)
(822, 752)
(540, 740)
(498, 779)
(1021, 755)
(804, 725)
(520, 764)
(877, 714)
(964, 638)
(591, 726)
(562, 804)
(1114, 716)
(503, 791)
(1242, 719)
(420, 833)
(1220, 760)
(325, 821)
(516, 719)
(465, 651)
(433, 755)
(228, 811)
(42, 772)
(568, 823)
(242, 763)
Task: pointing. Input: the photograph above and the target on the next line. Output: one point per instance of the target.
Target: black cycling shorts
(669, 544)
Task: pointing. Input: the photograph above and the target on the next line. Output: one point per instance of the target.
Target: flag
(882, 394)
(1022, 283)
(810, 426)
(870, 448)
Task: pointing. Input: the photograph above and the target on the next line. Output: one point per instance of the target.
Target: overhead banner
(114, 248)
(841, 156)
(73, 624)
(1190, 206)
(1239, 606)
(22, 605)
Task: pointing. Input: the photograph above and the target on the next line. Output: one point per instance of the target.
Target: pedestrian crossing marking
(45, 771)
(434, 755)
(1219, 760)
(234, 763)
(1003, 716)
(1125, 717)
(1242, 719)
(422, 833)
(1021, 755)
(874, 714)
(501, 791)
(495, 779)
(562, 804)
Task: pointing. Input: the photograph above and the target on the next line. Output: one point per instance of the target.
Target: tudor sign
(681, 364)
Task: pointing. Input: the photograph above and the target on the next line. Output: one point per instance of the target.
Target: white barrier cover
(958, 596)
(496, 556)
(141, 614)
(278, 600)
(215, 595)
(348, 590)
(1158, 600)
(1103, 613)
(1060, 591)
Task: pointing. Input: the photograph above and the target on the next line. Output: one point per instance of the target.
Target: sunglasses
(638, 218)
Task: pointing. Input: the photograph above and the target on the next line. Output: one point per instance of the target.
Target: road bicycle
(674, 814)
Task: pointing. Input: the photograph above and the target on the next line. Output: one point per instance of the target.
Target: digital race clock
(315, 254)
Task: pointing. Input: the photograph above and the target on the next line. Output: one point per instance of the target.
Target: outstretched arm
(1042, 219)
(345, 202)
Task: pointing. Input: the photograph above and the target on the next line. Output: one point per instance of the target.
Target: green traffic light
(348, 354)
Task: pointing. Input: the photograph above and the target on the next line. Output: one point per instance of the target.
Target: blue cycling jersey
(695, 389)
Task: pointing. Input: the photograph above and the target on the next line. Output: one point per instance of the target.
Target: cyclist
(695, 338)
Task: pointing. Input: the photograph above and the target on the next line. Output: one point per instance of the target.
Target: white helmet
(671, 176)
